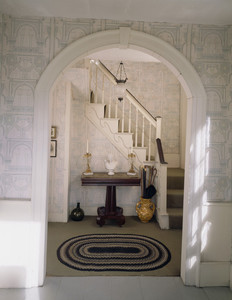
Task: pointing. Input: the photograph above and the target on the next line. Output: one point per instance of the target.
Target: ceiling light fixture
(121, 78)
(121, 71)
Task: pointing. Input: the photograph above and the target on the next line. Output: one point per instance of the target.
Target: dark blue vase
(77, 214)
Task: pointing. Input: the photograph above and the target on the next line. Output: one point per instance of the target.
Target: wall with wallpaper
(27, 45)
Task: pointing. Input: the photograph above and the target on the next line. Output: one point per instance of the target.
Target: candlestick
(131, 158)
(88, 169)
(87, 146)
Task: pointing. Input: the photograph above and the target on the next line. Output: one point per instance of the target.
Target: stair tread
(139, 148)
(175, 172)
(110, 119)
(125, 133)
(96, 104)
(175, 191)
(175, 212)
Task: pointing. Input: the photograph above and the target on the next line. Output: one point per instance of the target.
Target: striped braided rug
(113, 252)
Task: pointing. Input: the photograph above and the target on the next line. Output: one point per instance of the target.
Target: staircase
(132, 129)
(126, 123)
(175, 195)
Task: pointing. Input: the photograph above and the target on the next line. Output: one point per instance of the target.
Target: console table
(110, 210)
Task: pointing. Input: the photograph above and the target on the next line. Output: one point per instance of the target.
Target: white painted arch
(194, 180)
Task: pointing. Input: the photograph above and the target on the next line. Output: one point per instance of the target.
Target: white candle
(87, 146)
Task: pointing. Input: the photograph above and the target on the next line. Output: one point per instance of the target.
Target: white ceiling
(217, 12)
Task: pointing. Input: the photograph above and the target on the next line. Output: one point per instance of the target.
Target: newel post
(158, 127)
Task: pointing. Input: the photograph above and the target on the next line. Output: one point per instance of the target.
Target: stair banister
(143, 110)
(106, 72)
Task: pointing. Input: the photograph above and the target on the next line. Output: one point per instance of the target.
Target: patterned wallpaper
(29, 44)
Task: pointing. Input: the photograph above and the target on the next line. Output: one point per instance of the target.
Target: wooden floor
(116, 288)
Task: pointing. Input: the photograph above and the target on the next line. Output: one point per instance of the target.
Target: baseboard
(215, 274)
(55, 217)
(162, 219)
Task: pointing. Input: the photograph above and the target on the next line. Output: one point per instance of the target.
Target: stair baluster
(110, 103)
(149, 143)
(129, 124)
(123, 116)
(116, 110)
(136, 128)
(103, 89)
(143, 126)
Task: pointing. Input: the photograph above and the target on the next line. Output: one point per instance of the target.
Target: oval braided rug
(113, 252)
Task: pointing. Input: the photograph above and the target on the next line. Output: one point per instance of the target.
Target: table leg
(110, 211)
(110, 203)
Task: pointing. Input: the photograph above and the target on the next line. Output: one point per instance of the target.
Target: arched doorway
(194, 169)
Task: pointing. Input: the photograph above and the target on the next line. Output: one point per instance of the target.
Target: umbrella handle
(154, 175)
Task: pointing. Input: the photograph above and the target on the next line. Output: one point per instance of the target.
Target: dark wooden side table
(110, 210)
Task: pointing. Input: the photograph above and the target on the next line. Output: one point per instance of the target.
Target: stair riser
(175, 183)
(174, 201)
(175, 222)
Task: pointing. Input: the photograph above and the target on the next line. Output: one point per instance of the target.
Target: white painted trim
(162, 218)
(194, 90)
(68, 96)
(124, 37)
(231, 276)
(215, 274)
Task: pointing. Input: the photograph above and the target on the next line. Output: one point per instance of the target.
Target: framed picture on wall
(53, 132)
(53, 148)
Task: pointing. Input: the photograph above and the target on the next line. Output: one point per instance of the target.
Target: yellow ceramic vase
(145, 209)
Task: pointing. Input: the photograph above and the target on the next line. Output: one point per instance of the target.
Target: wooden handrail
(160, 151)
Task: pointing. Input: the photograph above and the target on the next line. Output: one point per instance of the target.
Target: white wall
(19, 257)
(216, 242)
